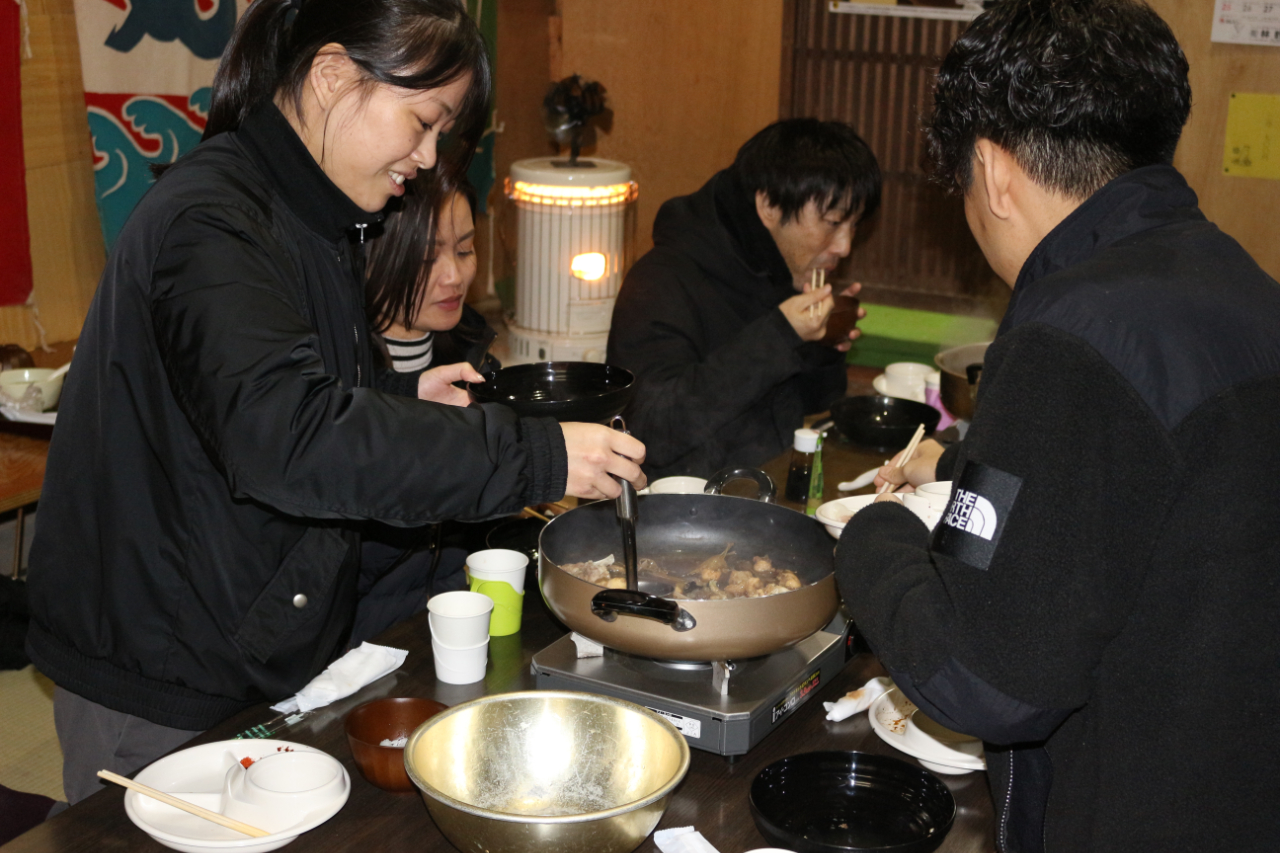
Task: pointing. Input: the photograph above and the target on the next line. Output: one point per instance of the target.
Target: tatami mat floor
(30, 759)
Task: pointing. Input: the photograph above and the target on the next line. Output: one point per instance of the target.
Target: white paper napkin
(682, 839)
(345, 676)
(587, 648)
(857, 700)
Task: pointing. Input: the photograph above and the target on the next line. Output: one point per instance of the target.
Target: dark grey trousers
(95, 738)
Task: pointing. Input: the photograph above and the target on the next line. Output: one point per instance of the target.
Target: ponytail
(249, 71)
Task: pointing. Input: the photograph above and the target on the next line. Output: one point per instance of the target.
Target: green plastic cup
(507, 605)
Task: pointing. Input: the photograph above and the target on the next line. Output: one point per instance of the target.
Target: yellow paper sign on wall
(1253, 136)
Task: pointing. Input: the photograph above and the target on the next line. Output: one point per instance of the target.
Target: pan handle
(608, 603)
(767, 491)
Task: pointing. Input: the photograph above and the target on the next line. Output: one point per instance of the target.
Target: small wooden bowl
(386, 719)
(842, 320)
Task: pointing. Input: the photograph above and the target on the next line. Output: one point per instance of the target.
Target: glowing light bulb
(589, 266)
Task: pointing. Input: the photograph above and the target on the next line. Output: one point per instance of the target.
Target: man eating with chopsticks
(1101, 600)
(722, 320)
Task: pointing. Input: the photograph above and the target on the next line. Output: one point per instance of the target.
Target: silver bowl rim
(634, 805)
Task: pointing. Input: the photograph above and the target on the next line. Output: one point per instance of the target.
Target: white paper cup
(920, 506)
(937, 494)
(459, 619)
(677, 486)
(499, 564)
(459, 666)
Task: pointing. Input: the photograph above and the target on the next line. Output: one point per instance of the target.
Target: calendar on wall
(1247, 22)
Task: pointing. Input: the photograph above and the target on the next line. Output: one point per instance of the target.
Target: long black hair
(410, 44)
(400, 259)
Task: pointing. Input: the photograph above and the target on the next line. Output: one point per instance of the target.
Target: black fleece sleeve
(999, 636)
(245, 367)
(682, 396)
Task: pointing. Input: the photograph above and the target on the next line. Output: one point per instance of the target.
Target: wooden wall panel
(523, 75)
(1246, 208)
(876, 73)
(688, 83)
(66, 242)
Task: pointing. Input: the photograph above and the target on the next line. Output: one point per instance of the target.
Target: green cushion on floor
(901, 334)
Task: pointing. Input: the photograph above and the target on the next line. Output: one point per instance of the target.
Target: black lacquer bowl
(843, 802)
(565, 390)
(882, 423)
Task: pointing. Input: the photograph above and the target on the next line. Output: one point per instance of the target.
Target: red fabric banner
(15, 238)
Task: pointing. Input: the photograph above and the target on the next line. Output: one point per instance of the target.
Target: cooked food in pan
(720, 577)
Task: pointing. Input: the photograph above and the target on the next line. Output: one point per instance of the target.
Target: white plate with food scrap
(26, 416)
(900, 724)
(199, 775)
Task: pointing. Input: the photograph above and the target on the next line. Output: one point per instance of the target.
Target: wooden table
(712, 798)
(23, 450)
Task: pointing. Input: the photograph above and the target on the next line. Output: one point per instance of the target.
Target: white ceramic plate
(881, 388)
(888, 716)
(13, 413)
(832, 513)
(196, 775)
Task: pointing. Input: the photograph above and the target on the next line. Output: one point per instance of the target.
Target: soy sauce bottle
(803, 449)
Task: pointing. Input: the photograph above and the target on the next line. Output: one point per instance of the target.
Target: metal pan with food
(720, 578)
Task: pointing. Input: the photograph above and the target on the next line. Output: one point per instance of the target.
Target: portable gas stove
(725, 707)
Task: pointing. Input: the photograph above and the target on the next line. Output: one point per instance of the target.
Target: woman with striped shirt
(419, 272)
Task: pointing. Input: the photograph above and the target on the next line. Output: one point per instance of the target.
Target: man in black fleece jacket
(716, 320)
(1100, 601)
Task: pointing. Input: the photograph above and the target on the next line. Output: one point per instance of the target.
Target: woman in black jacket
(225, 432)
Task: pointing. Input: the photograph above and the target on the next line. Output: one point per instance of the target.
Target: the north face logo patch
(971, 513)
(982, 499)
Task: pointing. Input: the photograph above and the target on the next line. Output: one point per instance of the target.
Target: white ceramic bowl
(676, 486)
(938, 494)
(920, 506)
(14, 385)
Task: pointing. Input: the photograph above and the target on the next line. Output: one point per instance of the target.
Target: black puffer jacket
(722, 378)
(1101, 602)
(219, 440)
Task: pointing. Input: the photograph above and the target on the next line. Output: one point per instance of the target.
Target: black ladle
(608, 603)
(627, 513)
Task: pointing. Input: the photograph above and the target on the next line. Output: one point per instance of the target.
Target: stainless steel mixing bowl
(546, 770)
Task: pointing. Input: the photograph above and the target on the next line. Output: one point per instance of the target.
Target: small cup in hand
(841, 321)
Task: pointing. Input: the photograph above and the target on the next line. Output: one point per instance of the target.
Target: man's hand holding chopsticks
(920, 469)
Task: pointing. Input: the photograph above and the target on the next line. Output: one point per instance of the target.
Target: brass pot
(959, 386)
(546, 770)
(693, 525)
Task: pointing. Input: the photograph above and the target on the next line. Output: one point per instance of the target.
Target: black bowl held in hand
(565, 390)
(882, 423)
(846, 802)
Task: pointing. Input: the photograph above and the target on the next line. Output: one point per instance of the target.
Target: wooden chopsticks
(905, 458)
(190, 808)
(817, 278)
